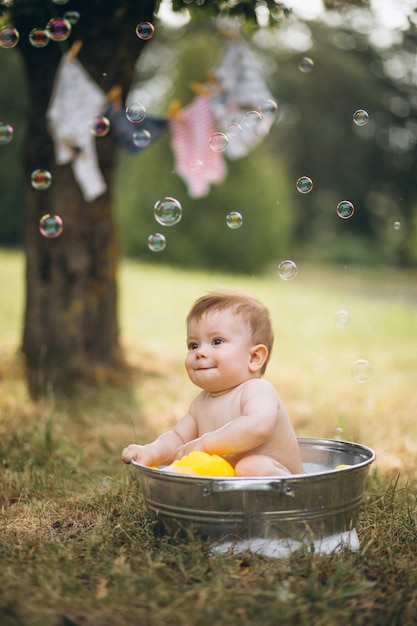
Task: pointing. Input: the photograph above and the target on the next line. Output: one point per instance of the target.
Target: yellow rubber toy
(201, 464)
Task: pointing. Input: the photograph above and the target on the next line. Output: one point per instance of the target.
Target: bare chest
(213, 412)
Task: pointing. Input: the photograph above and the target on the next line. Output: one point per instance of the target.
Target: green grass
(76, 545)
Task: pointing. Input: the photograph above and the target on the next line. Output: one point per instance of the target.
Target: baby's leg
(260, 465)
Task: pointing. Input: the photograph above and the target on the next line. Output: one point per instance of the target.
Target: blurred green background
(373, 166)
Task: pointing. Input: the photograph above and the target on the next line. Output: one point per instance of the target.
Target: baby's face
(219, 351)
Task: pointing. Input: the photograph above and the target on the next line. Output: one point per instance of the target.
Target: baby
(238, 414)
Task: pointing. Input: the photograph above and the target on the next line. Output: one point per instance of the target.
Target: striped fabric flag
(195, 161)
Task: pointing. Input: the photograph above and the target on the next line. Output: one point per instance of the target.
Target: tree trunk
(70, 324)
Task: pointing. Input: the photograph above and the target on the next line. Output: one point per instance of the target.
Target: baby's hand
(192, 446)
(141, 454)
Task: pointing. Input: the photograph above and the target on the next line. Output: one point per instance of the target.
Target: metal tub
(306, 507)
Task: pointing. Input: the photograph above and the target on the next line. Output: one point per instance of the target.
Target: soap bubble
(218, 142)
(100, 126)
(252, 119)
(156, 242)
(287, 270)
(168, 211)
(345, 209)
(41, 179)
(145, 30)
(234, 220)
(234, 129)
(39, 37)
(6, 133)
(306, 65)
(269, 107)
(59, 29)
(397, 225)
(360, 117)
(51, 226)
(72, 16)
(280, 11)
(136, 112)
(361, 371)
(141, 138)
(304, 184)
(342, 318)
(9, 37)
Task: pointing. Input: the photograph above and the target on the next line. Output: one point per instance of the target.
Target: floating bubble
(167, 211)
(234, 129)
(397, 225)
(59, 29)
(234, 220)
(306, 65)
(252, 119)
(361, 371)
(342, 318)
(41, 179)
(136, 112)
(269, 107)
(6, 133)
(360, 117)
(304, 184)
(100, 126)
(345, 209)
(60, 1)
(156, 242)
(141, 138)
(218, 142)
(9, 37)
(287, 270)
(72, 16)
(39, 37)
(280, 11)
(51, 226)
(145, 30)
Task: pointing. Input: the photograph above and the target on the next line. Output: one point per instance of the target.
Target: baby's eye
(217, 341)
(193, 345)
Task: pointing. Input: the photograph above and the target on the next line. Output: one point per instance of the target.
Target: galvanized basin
(306, 507)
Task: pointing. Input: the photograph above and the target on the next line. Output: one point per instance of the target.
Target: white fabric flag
(75, 101)
(242, 93)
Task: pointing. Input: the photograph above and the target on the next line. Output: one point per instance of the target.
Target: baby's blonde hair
(247, 307)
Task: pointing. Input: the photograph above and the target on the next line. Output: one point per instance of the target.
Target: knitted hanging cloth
(75, 101)
(130, 137)
(243, 105)
(195, 162)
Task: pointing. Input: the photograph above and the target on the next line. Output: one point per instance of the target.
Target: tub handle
(220, 486)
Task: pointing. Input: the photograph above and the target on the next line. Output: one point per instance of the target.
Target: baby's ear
(258, 356)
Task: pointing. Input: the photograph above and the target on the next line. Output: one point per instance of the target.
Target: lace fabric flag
(197, 164)
(75, 101)
(242, 103)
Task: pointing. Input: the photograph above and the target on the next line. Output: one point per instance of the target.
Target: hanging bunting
(195, 162)
(75, 101)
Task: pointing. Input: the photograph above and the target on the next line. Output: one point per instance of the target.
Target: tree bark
(70, 322)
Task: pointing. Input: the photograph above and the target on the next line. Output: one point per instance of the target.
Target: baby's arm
(163, 450)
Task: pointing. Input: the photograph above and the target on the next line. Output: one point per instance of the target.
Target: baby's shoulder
(258, 385)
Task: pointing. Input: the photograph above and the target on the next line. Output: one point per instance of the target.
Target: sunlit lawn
(76, 546)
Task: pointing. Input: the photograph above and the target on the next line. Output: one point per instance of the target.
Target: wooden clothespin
(115, 97)
(199, 89)
(73, 51)
(174, 109)
(229, 34)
